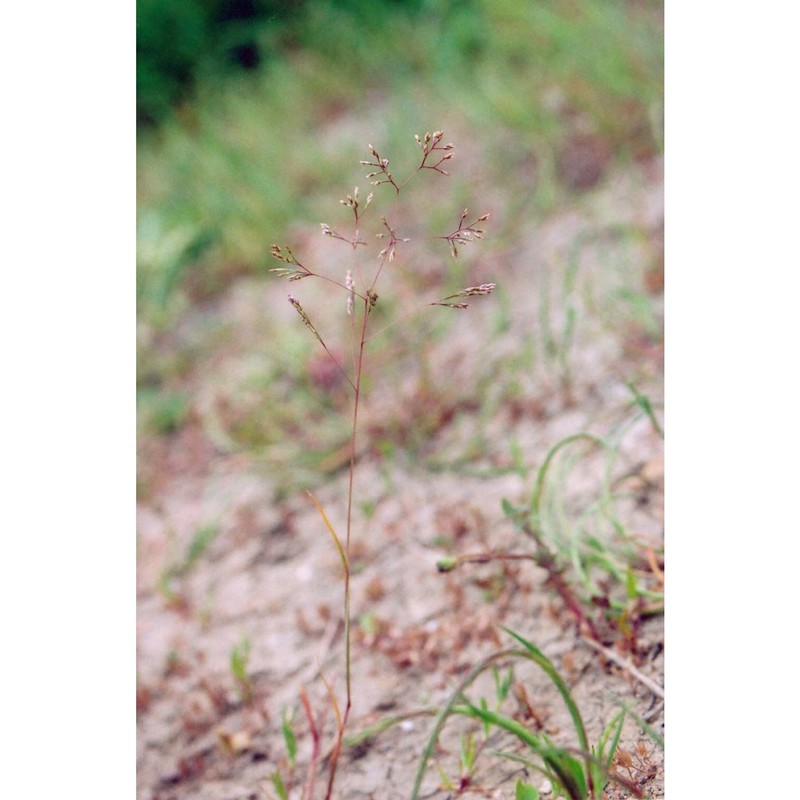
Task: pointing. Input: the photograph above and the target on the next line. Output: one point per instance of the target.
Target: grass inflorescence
(358, 288)
(606, 579)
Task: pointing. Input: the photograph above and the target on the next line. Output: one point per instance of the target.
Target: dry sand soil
(240, 587)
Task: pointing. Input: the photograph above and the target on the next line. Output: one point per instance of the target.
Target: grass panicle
(571, 558)
(359, 307)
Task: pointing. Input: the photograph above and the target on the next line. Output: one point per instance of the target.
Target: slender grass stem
(342, 719)
(295, 271)
(339, 366)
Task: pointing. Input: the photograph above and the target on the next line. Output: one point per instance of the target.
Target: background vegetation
(253, 114)
(233, 96)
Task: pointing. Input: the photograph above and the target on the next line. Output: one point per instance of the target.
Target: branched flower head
(285, 254)
(351, 201)
(393, 241)
(465, 234)
(382, 165)
(470, 291)
(328, 231)
(429, 144)
(434, 154)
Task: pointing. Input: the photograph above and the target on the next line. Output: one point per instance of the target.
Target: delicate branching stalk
(285, 254)
(382, 165)
(465, 234)
(388, 251)
(429, 145)
(483, 289)
(351, 201)
(471, 291)
(328, 231)
(434, 155)
(310, 325)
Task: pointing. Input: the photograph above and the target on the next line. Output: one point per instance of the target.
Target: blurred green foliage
(254, 116)
(181, 41)
(240, 161)
(171, 39)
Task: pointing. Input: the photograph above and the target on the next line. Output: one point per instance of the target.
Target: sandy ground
(271, 577)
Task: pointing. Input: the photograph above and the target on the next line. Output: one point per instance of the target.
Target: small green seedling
(466, 762)
(240, 657)
(283, 787)
(576, 773)
(279, 785)
(502, 683)
(169, 578)
(199, 544)
(289, 737)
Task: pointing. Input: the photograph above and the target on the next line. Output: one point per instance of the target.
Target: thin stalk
(338, 365)
(449, 563)
(403, 318)
(350, 486)
(308, 788)
(356, 384)
(431, 147)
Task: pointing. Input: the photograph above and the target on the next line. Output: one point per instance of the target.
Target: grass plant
(608, 579)
(591, 574)
(575, 772)
(357, 288)
(595, 66)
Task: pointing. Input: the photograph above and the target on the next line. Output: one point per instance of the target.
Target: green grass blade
(289, 738)
(618, 721)
(278, 784)
(657, 738)
(537, 743)
(524, 791)
(546, 665)
(447, 710)
(565, 767)
(538, 488)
